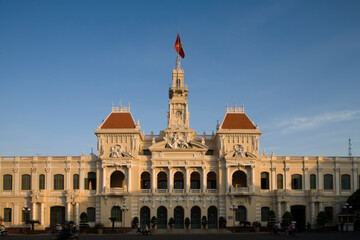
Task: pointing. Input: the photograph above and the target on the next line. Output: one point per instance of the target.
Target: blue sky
(295, 66)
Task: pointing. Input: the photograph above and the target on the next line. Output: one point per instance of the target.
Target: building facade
(176, 174)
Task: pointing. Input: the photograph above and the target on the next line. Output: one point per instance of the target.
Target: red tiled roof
(237, 121)
(118, 120)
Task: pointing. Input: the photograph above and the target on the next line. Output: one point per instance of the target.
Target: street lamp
(233, 208)
(26, 211)
(123, 209)
(347, 208)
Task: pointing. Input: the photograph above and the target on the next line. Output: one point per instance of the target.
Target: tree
(113, 220)
(272, 219)
(354, 200)
(321, 219)
(287, 218)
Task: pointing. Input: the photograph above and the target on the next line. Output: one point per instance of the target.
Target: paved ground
(213, 236)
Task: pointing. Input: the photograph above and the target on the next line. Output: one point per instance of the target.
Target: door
(195, 217)
(299, 214)
(213, 218)
(57, 216)
(162, 218)
(179, 217)
(145, 217)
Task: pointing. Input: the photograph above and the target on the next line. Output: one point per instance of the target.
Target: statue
(239, 151)
(115, 151)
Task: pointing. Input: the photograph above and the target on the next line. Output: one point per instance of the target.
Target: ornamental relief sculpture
(177, 140)
(116, 151)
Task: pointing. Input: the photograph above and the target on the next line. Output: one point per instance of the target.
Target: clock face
(178, 113)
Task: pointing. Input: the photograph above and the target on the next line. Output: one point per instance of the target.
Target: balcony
(211, 191)
(178, 191)
(145, 191)
(115, 191)
(161, 191)
(240, 190)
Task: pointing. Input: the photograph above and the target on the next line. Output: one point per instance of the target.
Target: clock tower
(178, 115)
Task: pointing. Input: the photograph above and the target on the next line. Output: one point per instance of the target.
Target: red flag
(178, 47)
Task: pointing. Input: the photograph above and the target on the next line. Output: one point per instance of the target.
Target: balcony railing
(240, 190)
(161, 191)
(195, 191)
(145, 191)
(211, 191)
(115, 191)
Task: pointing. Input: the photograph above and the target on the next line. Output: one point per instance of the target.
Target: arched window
(76, 181)
(241, 214)
(117, 180)
(7, 182)
(239, 179)
(328, 181)
(264, 180)
(280, 181)
(296, 181)
(312, 181)
(162, 180)
(41, 181)
(195, 180)
(91, 214)
(58, 182)
(178, 180)
(211, 180)
(26, 182)
(116, 213)
(345, 182)
(145, 180)
(265, 214)
(7, 214)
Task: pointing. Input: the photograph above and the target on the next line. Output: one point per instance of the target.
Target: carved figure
(176, 141)
(239, 151)
(115, 151)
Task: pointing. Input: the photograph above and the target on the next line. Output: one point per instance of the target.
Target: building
(177, 173)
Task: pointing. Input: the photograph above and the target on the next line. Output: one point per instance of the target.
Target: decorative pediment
(191, 145)
(238, 152)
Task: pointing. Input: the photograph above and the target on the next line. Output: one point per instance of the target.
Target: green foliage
(187, 221)
(272, 219)
(321, 219)
(171, 221)
(286, 219)
(84, 219)
(354, 200)
(222, 221)
(135, 221)
(204, 220)
(256, 224)
(154, 220)
(245, 223)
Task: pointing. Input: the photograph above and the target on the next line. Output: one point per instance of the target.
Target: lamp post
(233, 208)
(124, 209)
(347, 209)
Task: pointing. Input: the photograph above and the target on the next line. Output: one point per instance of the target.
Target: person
(276, 228)
(292, 228)
(58, 228)
(2, 230)
(138, 229)
(308, 227)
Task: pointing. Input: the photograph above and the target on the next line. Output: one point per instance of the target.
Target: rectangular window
(178, 184)
(280, 182)
(330, 214)
(296, 181)
(91, 214)
(265, 214)
(25, 182)
(25, 216)
(162, 184)
(42, 181)
(328, 182)
(7, 214)
(264, 180)
(345, 182)
(7, 181)
(312, 181)
(194, 184)
(58, 182)
(211, 184)
(75, 181)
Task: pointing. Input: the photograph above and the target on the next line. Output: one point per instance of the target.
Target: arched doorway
(145, 180)
(195, 217)
(179, 218)
(144, 217)
(299, 214)
(178, 180)
(239, 179)
(117, 180)
(162, 217)
(57, 215)
(212, 217)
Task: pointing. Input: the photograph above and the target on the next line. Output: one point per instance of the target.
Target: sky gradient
(295, 66)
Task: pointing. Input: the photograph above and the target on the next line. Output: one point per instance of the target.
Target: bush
(245, 223)
(287, 218)
(135, 221)
(272, 219)
(187, 221)
(204, 220)
(222, 221)
(154, 220)
(321, 219)
(256, 224)
(171, 221)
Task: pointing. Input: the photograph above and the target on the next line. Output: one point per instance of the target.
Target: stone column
(287, 206)
(287, 179)
(68, 212)
(203, 180)
(77, 214)
(42, 214)
(187, 180)
(312, 213)
(67, 170)
(81, 176)
(170, 180)
(16, 180)
(227, 179)
(278, 211)
(129, 178)
(306, 178)
(16, 213)
(273, 178)
(320, 179)
(355, 177)
(34, 179)
(153, 180)
(33, 211)
(103, 178)
(320, 207)
(337, 181)
(253, 178)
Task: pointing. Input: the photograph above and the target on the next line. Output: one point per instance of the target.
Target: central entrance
(179, 217)
(144, 217)
(298, 212)
(57, 216)
(212, 216)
